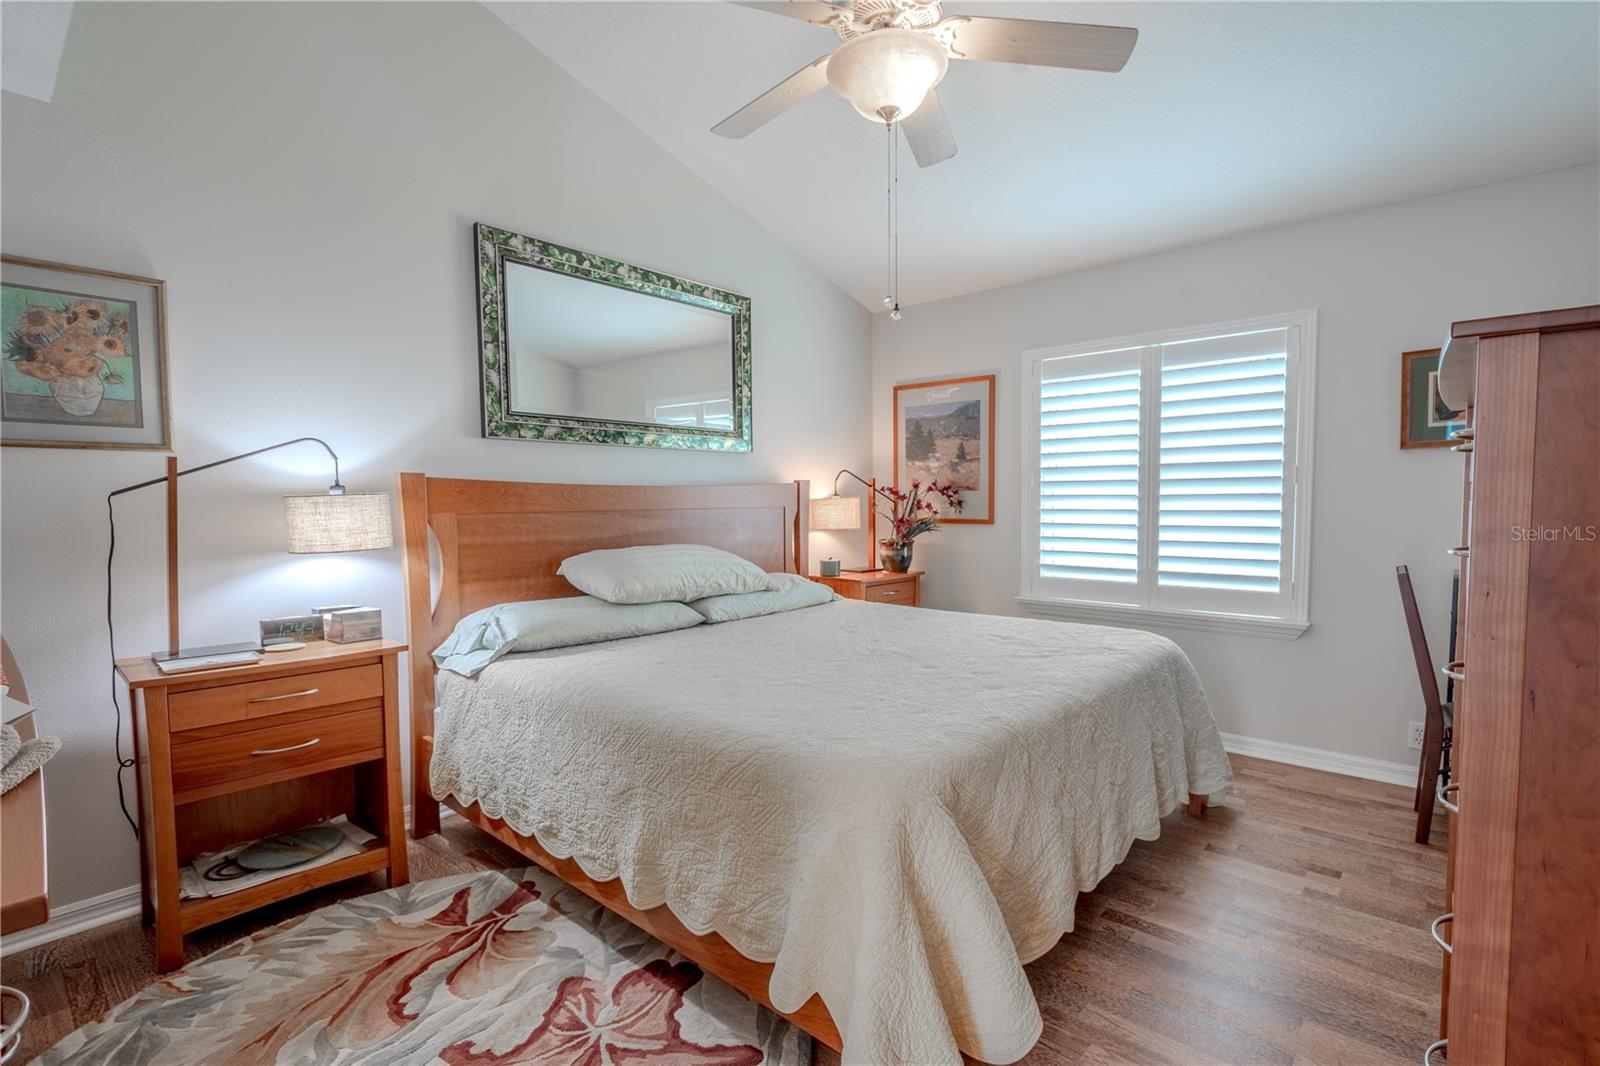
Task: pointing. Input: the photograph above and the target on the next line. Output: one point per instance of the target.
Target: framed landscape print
(944, 431)
(1425, 419)
(84, 362)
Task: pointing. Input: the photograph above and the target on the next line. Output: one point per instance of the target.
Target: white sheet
(896, 806)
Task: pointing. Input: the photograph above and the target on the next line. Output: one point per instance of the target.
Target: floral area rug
(507, 966)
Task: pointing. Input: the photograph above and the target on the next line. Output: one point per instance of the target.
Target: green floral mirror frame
(547, 314)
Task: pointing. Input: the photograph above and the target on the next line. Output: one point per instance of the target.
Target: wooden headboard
(502, 541)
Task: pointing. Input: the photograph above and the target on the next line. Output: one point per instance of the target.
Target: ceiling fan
(895, 53)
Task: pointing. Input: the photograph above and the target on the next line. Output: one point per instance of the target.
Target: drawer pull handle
(285, 696)
(1456, 671)
(1433, 931)
(890, 592)
(291, 747)
(1437, 1045)
(1464, 433)
(1442, 794)
(1464, 446)
(1460, 552)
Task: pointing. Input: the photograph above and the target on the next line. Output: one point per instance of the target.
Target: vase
(896, 558)
(78, 396)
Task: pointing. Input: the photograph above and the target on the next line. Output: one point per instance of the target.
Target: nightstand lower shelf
(199, 913)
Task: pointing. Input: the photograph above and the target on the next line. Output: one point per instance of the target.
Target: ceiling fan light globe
(886, 74)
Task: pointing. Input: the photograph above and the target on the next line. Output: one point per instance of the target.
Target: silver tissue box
(350, 624)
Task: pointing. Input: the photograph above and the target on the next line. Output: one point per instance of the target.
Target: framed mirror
(575, 347)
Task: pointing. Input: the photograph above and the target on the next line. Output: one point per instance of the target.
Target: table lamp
(331, 521)
(838, 512)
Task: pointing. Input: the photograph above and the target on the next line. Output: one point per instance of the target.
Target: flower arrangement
(69, 347)
(910, 515)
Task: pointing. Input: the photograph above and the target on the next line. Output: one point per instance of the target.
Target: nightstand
(877, 586)
(228, 755)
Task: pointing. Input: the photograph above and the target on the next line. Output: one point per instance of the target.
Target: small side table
(24, 891)
(232, 754)
(877, 586)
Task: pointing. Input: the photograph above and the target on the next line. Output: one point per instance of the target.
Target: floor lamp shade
(348, 522)
(836, 512)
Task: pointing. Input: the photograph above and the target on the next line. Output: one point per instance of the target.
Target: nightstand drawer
(901, 592)
(259, 756)
(257, 699)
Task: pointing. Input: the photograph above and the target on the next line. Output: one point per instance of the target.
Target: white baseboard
(1394, 773)
(77, 917)
(86, 914)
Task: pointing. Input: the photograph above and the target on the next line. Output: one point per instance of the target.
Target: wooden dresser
(1522, 977)
(877, 586)
(232, 754)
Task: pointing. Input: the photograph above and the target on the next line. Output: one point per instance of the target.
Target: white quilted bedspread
(897, 807)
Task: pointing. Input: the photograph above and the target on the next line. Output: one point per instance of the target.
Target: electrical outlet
(1414, 732)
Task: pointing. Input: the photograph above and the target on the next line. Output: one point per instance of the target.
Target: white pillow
(790, 593)
(535, 625)
(680, 572)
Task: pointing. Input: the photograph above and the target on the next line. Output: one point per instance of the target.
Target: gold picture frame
(927, 409)
(85, 358)
(1425, 419)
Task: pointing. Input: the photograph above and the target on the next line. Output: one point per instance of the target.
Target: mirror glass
(582, 349)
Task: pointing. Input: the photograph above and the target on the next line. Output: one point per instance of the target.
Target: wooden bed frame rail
(713, 954)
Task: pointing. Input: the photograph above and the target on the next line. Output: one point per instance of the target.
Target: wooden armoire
(1522, 973)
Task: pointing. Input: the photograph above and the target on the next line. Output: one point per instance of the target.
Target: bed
(865, 817)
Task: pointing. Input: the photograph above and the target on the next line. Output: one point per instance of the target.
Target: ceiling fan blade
(819, 12)
(928, 132)
(1076, 45)
(775, 101)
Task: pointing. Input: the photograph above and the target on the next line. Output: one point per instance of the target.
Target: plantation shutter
(1089, 444)
(1167, 475)
(1221, 465)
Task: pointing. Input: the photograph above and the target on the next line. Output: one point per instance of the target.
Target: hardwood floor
(1288, 927)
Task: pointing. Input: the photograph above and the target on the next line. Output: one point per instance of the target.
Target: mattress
(896, 807)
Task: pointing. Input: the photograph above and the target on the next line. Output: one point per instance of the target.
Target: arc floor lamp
(331, 521)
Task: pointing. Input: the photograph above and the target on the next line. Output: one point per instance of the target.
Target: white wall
(1384, 281)
(625, 388)
(542, 384)
(305, 177)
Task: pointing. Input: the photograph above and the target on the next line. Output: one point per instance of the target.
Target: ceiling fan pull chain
(888, 215)
(894, 240)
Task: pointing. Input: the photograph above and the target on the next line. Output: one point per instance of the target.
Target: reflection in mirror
(581, 349)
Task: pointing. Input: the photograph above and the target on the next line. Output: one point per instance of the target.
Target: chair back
(1419, 643)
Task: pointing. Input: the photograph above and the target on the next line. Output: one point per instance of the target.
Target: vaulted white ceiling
(1228, 117)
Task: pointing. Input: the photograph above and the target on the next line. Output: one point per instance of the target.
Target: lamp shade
(351, 522)
(836, 512)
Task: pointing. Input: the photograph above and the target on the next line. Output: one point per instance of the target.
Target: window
(1170, 477)
(713, 411)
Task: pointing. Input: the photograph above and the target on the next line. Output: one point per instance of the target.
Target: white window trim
(1303, 387)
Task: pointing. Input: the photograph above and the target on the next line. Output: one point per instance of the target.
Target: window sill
(1121, 615)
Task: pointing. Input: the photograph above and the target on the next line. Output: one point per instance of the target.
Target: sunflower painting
(75, 364)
